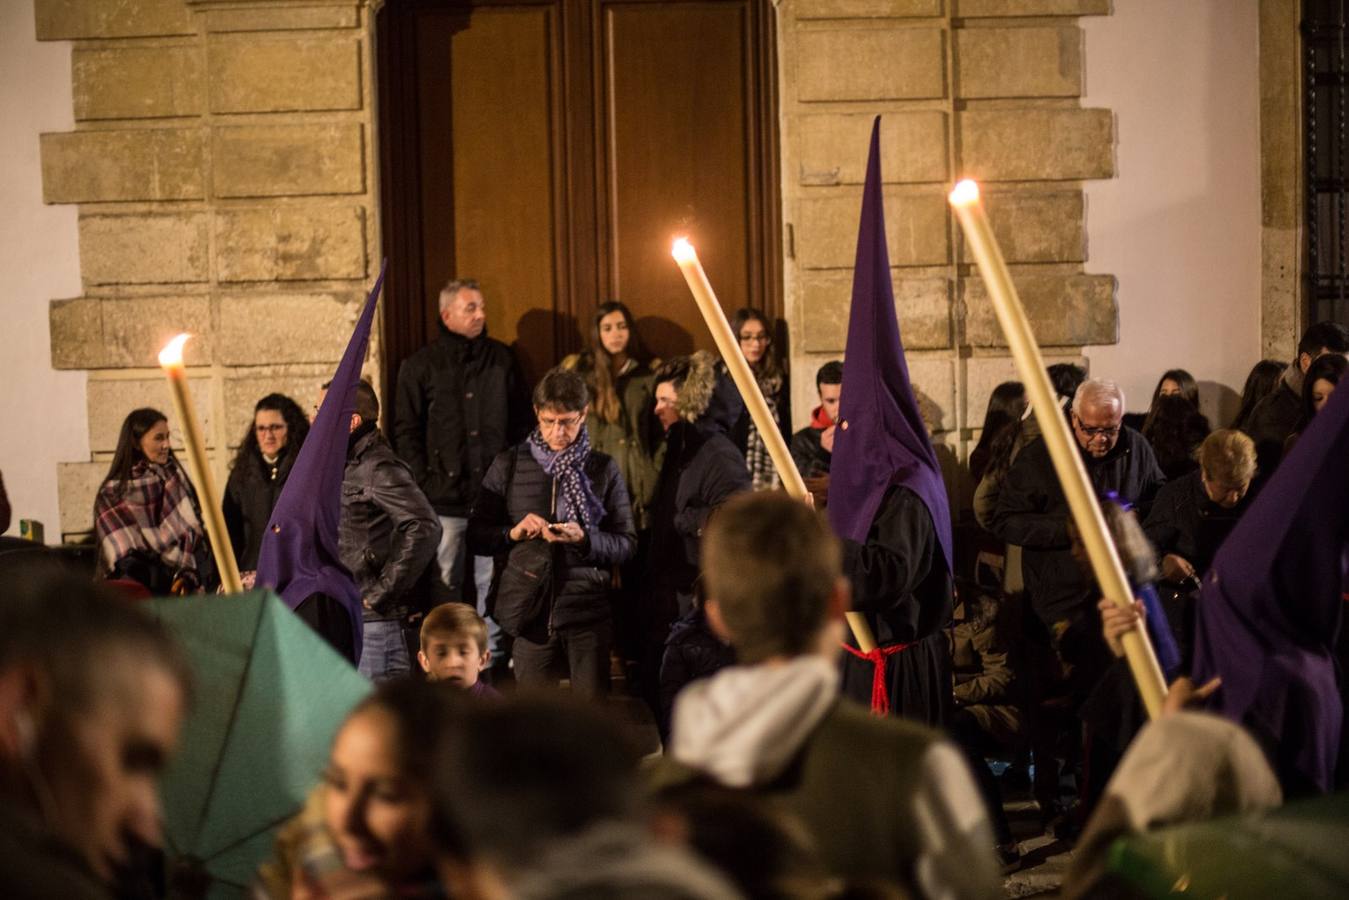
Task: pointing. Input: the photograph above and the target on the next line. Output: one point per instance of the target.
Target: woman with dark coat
(553, 489)
(755, 334)
(147, 519)
(259, 472)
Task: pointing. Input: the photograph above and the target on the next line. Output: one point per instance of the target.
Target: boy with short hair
(813, 446)
(454, 648)
(882, 797)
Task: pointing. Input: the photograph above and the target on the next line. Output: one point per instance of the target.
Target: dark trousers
(582, 653)
(975, 742)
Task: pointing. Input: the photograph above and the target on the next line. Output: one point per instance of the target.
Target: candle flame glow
(172, 354)
(965, 193)
(683, 251)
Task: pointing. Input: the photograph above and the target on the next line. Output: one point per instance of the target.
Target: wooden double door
(554, 149)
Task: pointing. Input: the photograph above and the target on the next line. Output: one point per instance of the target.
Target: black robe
(901, 584)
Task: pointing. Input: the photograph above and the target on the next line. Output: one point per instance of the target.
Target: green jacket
(633, 439)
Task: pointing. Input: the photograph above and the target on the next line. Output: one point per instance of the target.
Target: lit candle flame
(964, 193)
(172, 354)
(683, 251)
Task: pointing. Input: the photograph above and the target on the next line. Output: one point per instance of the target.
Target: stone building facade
(223, 163)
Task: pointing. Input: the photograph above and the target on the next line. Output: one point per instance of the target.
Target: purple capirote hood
(881, 440)
(1272, 601)
(299, 556)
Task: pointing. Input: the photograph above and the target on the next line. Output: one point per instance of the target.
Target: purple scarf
(577, 501)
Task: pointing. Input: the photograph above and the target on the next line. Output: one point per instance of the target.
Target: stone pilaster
(222, 163)
(982, 88)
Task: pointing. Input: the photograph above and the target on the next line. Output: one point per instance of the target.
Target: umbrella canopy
(270, 695)
(1295, 851)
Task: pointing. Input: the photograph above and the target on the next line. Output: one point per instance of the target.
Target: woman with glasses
(556, 515)
(259, 472)
(754, 332)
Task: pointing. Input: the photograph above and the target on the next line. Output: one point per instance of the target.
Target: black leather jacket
(389, 532)
(459, 403)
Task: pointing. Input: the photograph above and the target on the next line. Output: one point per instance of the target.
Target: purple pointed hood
(881, 439)
(299, 556)
(1271, 604)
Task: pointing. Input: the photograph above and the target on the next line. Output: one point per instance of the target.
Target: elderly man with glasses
(1032, 512)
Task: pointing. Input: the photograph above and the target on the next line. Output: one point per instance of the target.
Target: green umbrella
(1300, 850)
(269, 696)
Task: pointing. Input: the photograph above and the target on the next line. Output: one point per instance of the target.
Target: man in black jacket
(387, 540)
(554, 490)
(813, 446)
(1276, 417)
(1033, 512)
(460, 401)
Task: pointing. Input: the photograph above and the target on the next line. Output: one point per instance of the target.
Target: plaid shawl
(155, 510)
(763, 474)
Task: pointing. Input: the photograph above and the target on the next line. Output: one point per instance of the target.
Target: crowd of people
(618, 529)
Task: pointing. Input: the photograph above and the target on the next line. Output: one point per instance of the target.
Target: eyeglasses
(754, 338)
(272, 429)
(1103, 431)
(566, 424)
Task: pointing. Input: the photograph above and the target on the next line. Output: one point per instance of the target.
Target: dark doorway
(553, 150)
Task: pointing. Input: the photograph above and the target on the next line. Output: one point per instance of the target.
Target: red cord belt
(880, 697)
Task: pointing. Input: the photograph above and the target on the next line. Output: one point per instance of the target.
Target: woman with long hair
(1323, 376)
(619, 377)
(259, 472)
(365, 831)
(1175, 429)
(147, 519)
(1174, 382)
(1260, 383)
(1006, 405)
(755, 334)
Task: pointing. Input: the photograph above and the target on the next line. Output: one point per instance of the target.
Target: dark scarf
(578, 501)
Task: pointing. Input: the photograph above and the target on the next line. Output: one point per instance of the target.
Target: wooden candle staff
(1105, 560)
(171, 361)
(792, 482)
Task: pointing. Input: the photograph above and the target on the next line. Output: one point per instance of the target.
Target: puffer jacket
(458, 403)
(250, 494)
(582, 573)
(389, 532)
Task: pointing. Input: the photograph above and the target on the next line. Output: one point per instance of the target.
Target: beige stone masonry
(137, 83)
(63, 20)
(1064, 310)
(979, 8)
(127, 332)
(1036, 227)
(984, 373)
(287, 160)
(875, 63)
(832, 147)
(109, 401)
(290, 243)
(1018, 62)
(77, 485)
(1037, 144)
(862, 9)
(107, 166)
(258, 329)
(281, 75)
(915, 225)
(144, 249)
(286, 18)
(922, 304)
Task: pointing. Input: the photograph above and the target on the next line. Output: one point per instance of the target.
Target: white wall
(1180, 225)
(43, 411)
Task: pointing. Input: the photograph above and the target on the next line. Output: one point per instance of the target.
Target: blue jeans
(384, 655)
(452, 555)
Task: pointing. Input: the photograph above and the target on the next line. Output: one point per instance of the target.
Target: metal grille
(1327, 178)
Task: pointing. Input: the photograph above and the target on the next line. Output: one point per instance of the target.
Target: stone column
(223, 165)
(982, 88)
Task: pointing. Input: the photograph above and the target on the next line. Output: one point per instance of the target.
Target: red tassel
(880, 697)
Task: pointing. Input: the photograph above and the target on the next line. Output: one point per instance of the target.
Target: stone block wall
(987, 89)
(223, 166)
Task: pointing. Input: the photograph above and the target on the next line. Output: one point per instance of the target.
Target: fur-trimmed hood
(708, 398)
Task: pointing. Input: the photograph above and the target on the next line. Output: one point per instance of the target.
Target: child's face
(453, 658)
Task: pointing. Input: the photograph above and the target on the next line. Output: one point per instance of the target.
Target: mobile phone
(557, 528)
